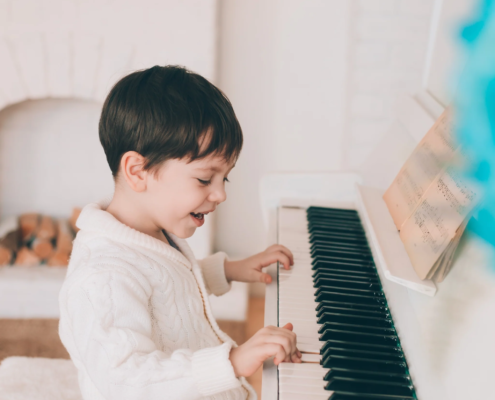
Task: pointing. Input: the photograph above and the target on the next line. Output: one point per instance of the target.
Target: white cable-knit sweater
(135, 317)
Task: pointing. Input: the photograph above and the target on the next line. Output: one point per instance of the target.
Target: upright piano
(368, 328)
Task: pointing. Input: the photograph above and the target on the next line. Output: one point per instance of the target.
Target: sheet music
(425, 163)
(432, 226)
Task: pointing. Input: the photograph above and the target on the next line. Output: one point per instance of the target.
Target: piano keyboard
(334, 298)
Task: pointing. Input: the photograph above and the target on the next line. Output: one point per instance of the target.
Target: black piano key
(343, 260)
(340, 228)
(372, 355)
(352, 284)
(332, 211)
(360, 396)
(356, 306)
(329, 231)
(351, 336)
(322, 244)
(377, 376)
(339, 361)
(337, 289)
(355, 319)
(368, 387)
(315, 217)
(358, 275)
(394, 349)
(340, 251)
(321, 235)
(329, 266)
(357, 328)
(354, 257)
(349, 298)
(348, 310)
(331, 214)
(346, 276)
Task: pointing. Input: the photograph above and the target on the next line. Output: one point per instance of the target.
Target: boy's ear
(132, 169)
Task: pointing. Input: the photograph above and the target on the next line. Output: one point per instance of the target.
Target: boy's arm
(107, 328)
(213, 268)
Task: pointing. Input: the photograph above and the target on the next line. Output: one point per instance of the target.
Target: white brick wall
(78, 50)
(389, 39)
(62, 48)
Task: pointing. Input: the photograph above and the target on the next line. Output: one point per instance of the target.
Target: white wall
(56, 48)
(77, 50)
(387, 57)
(283, 65)
(314, 85)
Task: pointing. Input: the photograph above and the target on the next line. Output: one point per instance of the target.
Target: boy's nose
(218, 196)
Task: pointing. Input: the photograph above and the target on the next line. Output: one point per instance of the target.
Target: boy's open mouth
(199, 216)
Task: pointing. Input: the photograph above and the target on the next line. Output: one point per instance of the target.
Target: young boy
(135, 316)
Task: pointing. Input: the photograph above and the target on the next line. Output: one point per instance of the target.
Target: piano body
(367, 326)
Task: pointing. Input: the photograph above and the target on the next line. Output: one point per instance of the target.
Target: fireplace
(58, 63)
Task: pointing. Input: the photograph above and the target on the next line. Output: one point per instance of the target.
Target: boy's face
(180, 194)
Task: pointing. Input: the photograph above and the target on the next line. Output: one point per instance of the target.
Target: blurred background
(314, 84)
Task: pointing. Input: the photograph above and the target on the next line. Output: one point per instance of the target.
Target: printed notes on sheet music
(429, 202)
(423, 166)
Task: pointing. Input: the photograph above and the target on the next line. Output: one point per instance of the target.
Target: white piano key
(310, 325)
(314, 374)
(307, 339)
(317, 382)
(311, 358)
(303, 389)
(308, 347)
(298, 291)
(297, 315)
(297, 396)
(305, 367)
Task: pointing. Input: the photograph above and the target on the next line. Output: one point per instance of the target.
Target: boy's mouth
(199, 216)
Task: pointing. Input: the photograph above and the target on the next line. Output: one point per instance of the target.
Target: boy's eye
(206, 183)
(226, 180)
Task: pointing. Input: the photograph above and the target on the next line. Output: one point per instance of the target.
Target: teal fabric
(475, 113)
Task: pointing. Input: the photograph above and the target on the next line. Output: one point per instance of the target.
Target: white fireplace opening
(51, 159)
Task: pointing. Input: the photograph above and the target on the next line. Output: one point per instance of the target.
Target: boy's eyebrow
(209, 169)
(214, 169)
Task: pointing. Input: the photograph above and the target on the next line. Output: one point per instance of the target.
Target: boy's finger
(265, 278)
(296, 358)
(273, 258)
(288, 326)
(277, 351)
(258, 276)
(284, 250)
(283, 340)
(288, 253)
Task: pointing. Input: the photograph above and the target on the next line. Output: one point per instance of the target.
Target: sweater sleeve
(213, 268)
(112, 334)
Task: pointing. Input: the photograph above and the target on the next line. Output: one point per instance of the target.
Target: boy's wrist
(228, 270)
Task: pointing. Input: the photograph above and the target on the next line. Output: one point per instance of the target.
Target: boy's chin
(185, 233)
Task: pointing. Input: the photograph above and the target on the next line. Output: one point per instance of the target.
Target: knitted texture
(136, 320)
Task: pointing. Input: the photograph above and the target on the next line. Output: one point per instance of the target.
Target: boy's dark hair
(167, 112)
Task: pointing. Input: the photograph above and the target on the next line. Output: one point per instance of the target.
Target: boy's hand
(249, 269)
(267, 342)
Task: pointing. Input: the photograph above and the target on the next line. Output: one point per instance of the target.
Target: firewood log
(8, 246)
(64, 237)
(73, 219)
(59, 259)
(47, 230)
(26, 257)
(64, 245)
(42, 248)
(29, 225)
(10, 237)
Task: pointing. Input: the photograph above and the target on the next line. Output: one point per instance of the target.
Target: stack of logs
(35, 239)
